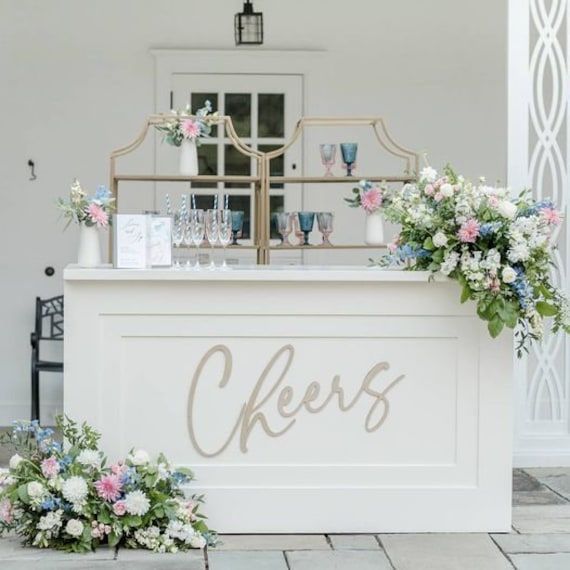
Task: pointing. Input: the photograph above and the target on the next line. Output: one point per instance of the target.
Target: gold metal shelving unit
(262, 181)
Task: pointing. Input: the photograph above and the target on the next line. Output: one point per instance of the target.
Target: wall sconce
(248, 26)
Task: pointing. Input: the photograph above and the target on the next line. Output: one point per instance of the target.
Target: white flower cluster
(152, 539)
(185, 533)
(75, 491)
(481, 271)
(90, 458)
(137, 503)
(525, 235)
(51, 522)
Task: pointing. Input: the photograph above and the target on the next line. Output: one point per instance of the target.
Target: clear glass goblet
(283, 227)
(212, 233)
(197, 230)
(177, 237)
(348, 151)
(328, 157)
(306, 222)
(225, 233)
(325, 223)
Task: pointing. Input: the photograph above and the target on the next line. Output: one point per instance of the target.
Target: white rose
(198, 541)
(509, 274)
(507, 209)
(15, 460)
(446, 190)
(35, 490)
(440, 239)
(74, 528)
(140, 457)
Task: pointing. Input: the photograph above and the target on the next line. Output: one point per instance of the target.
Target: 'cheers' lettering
(251, 412)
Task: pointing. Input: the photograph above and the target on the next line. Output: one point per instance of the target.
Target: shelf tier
(254, 179)
(177, 178)
(321, 247)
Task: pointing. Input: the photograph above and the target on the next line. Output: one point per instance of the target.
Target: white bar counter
(305, 399)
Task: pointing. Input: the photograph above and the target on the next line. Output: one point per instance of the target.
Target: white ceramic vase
(188, 158)
(89, 254)
(374, 229)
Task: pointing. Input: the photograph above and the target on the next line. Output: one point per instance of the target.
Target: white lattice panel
(539, 157)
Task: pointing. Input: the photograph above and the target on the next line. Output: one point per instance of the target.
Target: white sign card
(132, 241)
(161, 241)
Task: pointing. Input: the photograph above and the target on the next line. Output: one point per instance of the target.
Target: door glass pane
(236, 164)
(238, 107)
(271, 115)
(207, 164)
(198, 100)
(276, 204)
(276, 165)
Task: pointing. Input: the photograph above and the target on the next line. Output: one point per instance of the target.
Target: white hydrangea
(15, 461)
(74, 527)
(440, 239)
(197, 541)
(446, 190)
(450, 262)
(182, 531)
(137, 503)
(89, 458)
(518, 252)
(428, 174)
(74, 489)
(139, 457)
(51, 521)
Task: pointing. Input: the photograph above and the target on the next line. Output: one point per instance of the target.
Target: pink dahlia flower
(109, 487)
(469, 231)
(119, 468)
(98, 215)
(551, 216)
(119, 508)
(371, 199)
(50, 467)
(190, 129)
(6, 514)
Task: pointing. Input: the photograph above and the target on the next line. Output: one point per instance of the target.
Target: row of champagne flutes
(192, 226)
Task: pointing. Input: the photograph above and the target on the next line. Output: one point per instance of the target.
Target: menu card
(161, 241)
(132, 241)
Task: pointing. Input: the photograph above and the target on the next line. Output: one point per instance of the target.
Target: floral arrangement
(496, 246)
(65, 497)
(92, 210)
(367, 196)
(184, 126)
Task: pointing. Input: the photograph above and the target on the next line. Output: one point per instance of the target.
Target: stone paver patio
(540, 540)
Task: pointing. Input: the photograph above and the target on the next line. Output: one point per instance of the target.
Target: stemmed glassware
(325, 223)
(225, 224)
(212, 233)
(328, 157)
(306, 222)
(197, 229)
(283, 226)
(348, 151)
(178, 229)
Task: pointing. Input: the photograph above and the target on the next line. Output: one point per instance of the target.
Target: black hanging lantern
(249, 26)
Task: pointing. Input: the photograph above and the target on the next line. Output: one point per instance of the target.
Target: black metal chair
(48, 326)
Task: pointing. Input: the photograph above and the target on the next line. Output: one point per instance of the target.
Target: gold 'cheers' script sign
(251, 412)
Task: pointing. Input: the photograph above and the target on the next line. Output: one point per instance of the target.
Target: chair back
(49, 318)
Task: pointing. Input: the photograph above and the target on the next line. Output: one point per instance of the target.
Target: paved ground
(540, 540)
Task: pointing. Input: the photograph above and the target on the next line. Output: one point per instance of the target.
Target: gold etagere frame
(263, 180)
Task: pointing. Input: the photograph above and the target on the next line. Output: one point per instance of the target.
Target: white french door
(264, 111)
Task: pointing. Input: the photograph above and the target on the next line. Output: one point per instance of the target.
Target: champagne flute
(177, 237)
(197, 229)
(225, 232)
(212, 234)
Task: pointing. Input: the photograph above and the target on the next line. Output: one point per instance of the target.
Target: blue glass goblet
(306, 222)
(237, 225)
(348, 151)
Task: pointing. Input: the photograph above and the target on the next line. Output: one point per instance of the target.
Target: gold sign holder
(262, 180)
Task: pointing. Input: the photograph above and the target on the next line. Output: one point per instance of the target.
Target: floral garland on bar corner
(496, 246)
(65, 497)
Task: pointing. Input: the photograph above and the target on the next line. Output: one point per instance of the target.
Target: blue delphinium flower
(51, 504)
(537, 207)
(522, 288)
(179, 478)
(489, 228)
(102, 195)
(65, 462)
(406, 251)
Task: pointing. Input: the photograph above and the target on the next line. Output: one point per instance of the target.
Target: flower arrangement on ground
(497, 247)
(64, 496)
(185, 126)
(92, 210)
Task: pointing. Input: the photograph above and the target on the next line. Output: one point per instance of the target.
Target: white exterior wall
(78, 79)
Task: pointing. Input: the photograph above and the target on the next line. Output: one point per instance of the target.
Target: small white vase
(374, 229)
(188, 158)
(89, 254)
